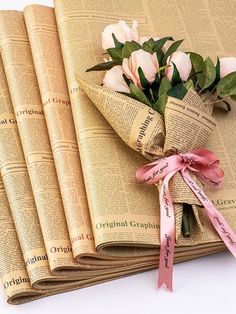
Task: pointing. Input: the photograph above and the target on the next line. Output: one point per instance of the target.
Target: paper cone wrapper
(138, 125)
(186, 126)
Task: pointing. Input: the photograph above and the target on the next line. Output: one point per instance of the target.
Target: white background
(205, 285)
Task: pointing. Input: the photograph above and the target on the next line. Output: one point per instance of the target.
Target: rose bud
(183, 64)
(122, 33)
(114, 80)
(146, 61)
(227, 66)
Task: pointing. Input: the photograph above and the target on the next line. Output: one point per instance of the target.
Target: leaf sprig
(204, 76)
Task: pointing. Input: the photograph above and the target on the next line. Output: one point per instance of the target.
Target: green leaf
(153, 46)
(208, 75)
(178, 91)
(138, 94)
(158, 48)
(171, 50)
(129, 47)
(189, 84)
(176, 79)
(218, 70)
(103, 66)
(165, 86)
(143, 80)
(160, 55)
(160, 104)
(127, 80)
(116, 42)
(127, 94)
(156, 83)
(115, 54)
(194, 75)
(197, 62)
(146, 48)
(161, 42)
(227, 85)
(150, 43)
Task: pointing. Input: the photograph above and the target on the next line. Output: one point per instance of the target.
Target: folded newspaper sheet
(124, 238)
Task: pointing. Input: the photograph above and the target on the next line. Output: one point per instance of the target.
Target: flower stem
(186, 230)
(151, 94)
(221, 100)
(209, 94)
(226, 103)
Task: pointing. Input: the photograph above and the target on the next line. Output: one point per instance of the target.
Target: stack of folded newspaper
(71, 211)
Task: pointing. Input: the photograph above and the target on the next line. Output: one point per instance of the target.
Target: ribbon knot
(187, 160)
(205, 165)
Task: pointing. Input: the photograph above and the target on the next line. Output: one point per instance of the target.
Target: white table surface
(205, 285)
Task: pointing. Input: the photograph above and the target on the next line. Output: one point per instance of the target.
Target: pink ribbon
(205, 165)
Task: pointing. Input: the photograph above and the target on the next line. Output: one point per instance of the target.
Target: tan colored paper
(82, 23)
(138, 125)
(188, 126)
(145, 133)
(42, 29)
(17, 60)
(17, 184)
(16, 180)
(61, 131)
(35, 141)
(13, 274)
(105, 159)
(115, 199)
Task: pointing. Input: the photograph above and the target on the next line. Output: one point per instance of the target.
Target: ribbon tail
(220, 224)
(224, 230)
(167, 234)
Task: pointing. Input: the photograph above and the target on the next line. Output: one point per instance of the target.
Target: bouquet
(160, 100)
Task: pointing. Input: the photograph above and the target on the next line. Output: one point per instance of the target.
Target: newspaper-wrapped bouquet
(159, 100)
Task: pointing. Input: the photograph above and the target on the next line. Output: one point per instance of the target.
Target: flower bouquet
(160, 101)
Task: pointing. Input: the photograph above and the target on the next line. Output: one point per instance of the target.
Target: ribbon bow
(205, 165)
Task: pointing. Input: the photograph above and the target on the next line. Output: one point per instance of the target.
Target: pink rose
(122, 33)
(183, 65)
(148, 63)
(114, 80)
(227, 65)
